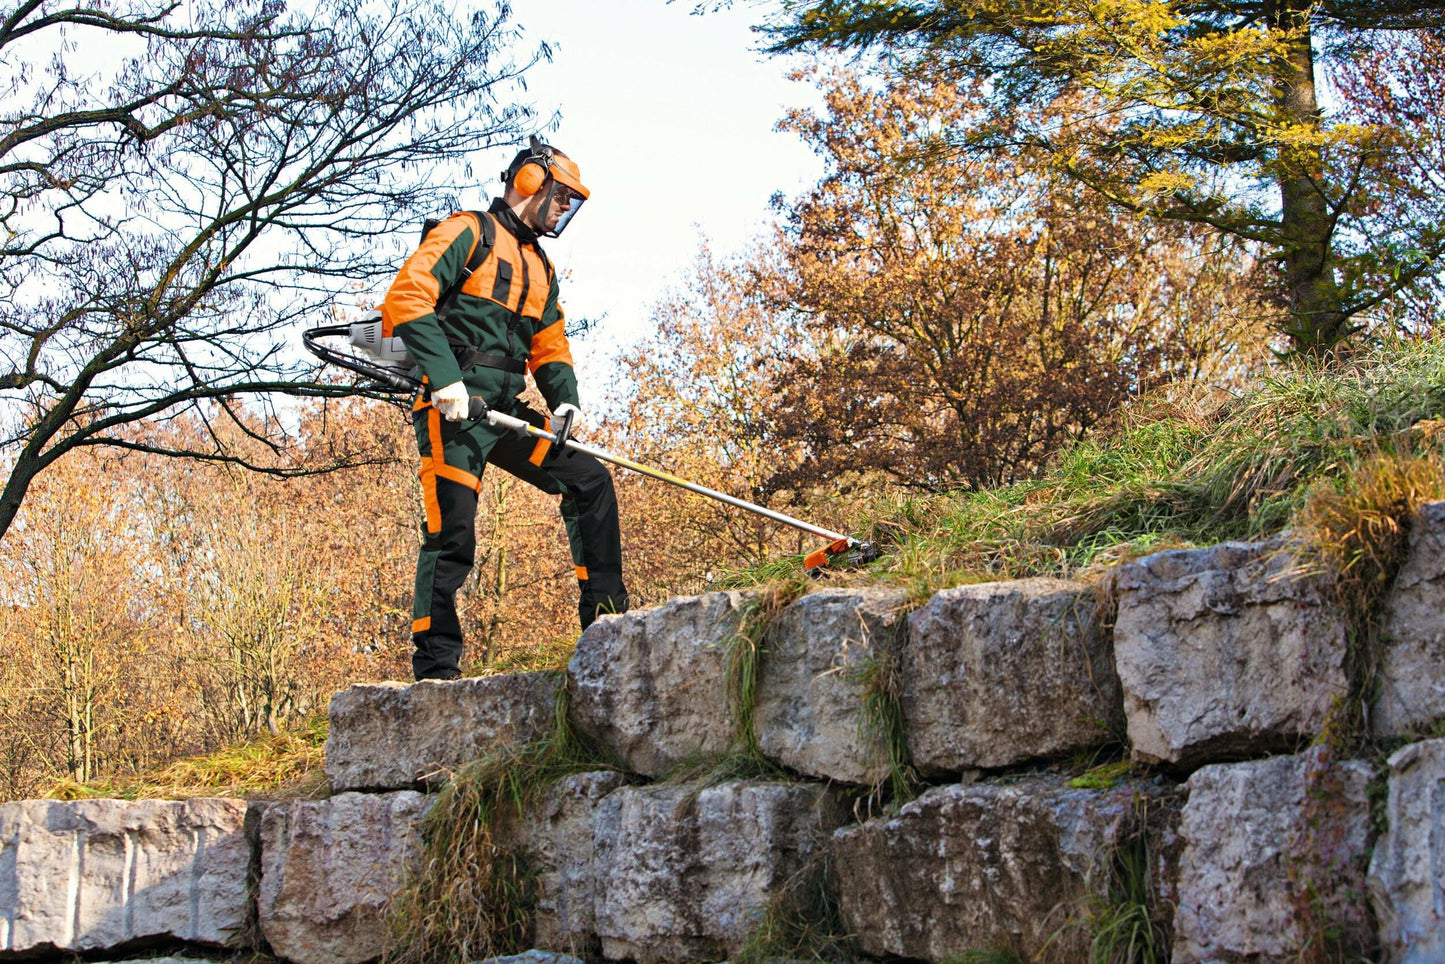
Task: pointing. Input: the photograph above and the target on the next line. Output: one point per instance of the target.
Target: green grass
(743, 653)
(881, 725)
(281, 766)
(1188, 472)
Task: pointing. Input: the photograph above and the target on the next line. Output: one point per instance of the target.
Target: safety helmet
(543, 168)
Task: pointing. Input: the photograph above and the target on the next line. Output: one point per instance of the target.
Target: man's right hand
(452, 401)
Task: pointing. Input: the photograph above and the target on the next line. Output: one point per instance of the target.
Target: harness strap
(480, 249)
(469, 357)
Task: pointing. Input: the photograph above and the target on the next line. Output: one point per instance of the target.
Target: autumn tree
(1395, 84)
(1203, 111)
(971, 313)
(169, 217)
(74, 632)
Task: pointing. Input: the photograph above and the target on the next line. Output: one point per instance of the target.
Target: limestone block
(1002, 673)
(556, 836)
(809, 697)
(390, 736)
(986, 866)
(1411, 676)
(1407, 871)
(648, 685)
(1225, 653)
(686, 872)
(329, 871)
(93, 874)
(1274, 858)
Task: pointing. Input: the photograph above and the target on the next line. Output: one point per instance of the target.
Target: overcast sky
(670, 117)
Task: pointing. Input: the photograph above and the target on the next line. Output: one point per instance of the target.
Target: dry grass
(473, 897)
(1357, 528)
(284, 766)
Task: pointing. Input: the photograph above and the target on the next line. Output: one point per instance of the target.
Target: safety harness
(469, 356)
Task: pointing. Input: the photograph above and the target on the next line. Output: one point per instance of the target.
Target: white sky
(670, 117)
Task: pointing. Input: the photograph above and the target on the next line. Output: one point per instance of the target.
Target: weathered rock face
(93, 874)
(981, 867)
(390, 736)
(557, 838)
(329, 870)
(1274, 857)
(1002, 673)
(684, 872)
(1225, 653)
(649, 685)
(1407, 871)
(1411, 675)
(809, 697)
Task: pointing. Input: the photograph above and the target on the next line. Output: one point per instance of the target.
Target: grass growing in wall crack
(802, 922)
(881, 725)
(743, 653)
(1356, 528)
(1120, 918)
(472, 896)
(1122, 924)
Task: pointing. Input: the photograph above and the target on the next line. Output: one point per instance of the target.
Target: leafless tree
(180, 184)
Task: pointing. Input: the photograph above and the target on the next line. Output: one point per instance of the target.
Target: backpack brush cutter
(389, 366)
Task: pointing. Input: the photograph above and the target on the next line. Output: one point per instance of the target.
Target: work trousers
(453, 455)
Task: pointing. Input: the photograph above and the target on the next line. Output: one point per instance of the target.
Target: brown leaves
(969, 314)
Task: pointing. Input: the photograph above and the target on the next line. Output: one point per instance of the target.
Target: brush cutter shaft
(479, 411)
(389, 379)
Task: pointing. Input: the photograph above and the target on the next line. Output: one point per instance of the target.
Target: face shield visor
(560, 205)
(562, 196)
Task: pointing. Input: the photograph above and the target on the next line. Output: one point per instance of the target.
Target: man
(505, 321)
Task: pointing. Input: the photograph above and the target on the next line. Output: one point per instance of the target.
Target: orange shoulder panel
(415, 291)
(539, 285)
(550, 345)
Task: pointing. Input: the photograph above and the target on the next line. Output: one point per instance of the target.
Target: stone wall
(1237, 834)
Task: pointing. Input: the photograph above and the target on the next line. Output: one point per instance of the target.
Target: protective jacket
(505, 321)
(506, 311)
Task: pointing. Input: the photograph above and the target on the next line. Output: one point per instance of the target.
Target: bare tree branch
(167, 225)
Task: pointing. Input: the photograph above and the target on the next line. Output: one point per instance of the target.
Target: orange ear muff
(529, 178)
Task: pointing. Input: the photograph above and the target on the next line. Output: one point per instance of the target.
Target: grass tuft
(1356, 528)
(1120, 917)
(802, 922)
(882, 725)
(551, 655)
(743, 654)
(474, 895)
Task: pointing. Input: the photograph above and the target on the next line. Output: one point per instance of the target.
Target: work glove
(452, 401)
(566, 418)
